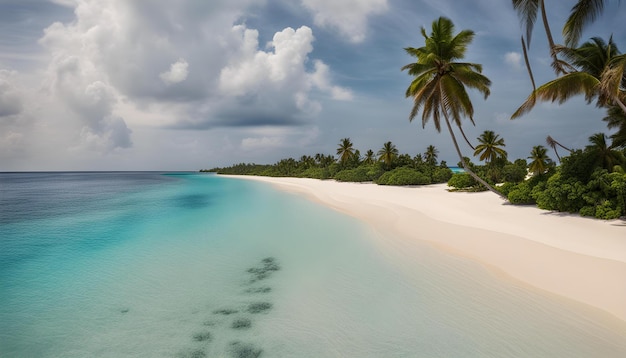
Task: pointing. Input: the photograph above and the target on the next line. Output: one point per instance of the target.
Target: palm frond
(472, 79)
(613, 76)
(526, 106)
(582, 14)
(563, 88)
(527, 12)
(457, 102)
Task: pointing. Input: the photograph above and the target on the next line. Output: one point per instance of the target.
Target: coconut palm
(306, 162)
(540, 162)
(369, 157)
(551, 142)
(388, 154)
(598, 67)
(430, 155)
(489, 148)
(605, 155)
(439, 84)
(345, 151)
(323, 160)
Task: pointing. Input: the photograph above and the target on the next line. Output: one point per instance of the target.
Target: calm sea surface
(194, 265)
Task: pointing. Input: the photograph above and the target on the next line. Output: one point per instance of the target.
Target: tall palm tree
(551, 142)
(388, 154)
(596, 75)
(606, 156)
(438, 86)
(345, 151)
(369, 157)
(489, 148)
(430, 155)
(540, 162)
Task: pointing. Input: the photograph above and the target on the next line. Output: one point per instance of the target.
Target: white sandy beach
(578, 258)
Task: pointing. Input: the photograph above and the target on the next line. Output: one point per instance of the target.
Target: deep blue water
(155, 264)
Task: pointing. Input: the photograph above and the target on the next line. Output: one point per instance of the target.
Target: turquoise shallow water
(192, 265)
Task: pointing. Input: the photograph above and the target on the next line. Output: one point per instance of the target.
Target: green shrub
(579, 166)
(315, 173)
(506, 188)
(374, 171)
(608, 210)
(588, 210)
(513, 173)
(353, 175)
(461, 181)
(441, 175)
(403, 176)
(561, 194)
(521, 194)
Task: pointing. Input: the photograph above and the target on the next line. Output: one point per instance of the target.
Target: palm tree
(553, 143)
(388, 154)
(323, 160)
(369, 157)
(616, 118)
(430, 155)
(439, 81)
(540, 160)
(345, 151)
(306, 162)
(355, 161)
(489, 148)
(606, 156)
(597, 67)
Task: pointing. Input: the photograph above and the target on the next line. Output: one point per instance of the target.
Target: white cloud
(178, 72)
(261, 78)
(255, 69)
(75, 76)
(272, 138)
(513, 59)
(349, 17)
(261, 143)
(10, 96)
(321, 79)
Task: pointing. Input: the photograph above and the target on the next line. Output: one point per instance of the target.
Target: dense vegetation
(388, 167)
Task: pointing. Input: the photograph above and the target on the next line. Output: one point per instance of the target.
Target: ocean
(148, 264)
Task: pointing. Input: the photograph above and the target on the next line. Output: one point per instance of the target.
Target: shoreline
(578, 258)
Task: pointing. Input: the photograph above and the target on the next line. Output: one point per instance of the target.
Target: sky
(185, 85)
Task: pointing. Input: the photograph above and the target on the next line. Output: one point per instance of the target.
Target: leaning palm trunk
(556, 64)
(465, 166)
(465, 137)
(530, 71)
